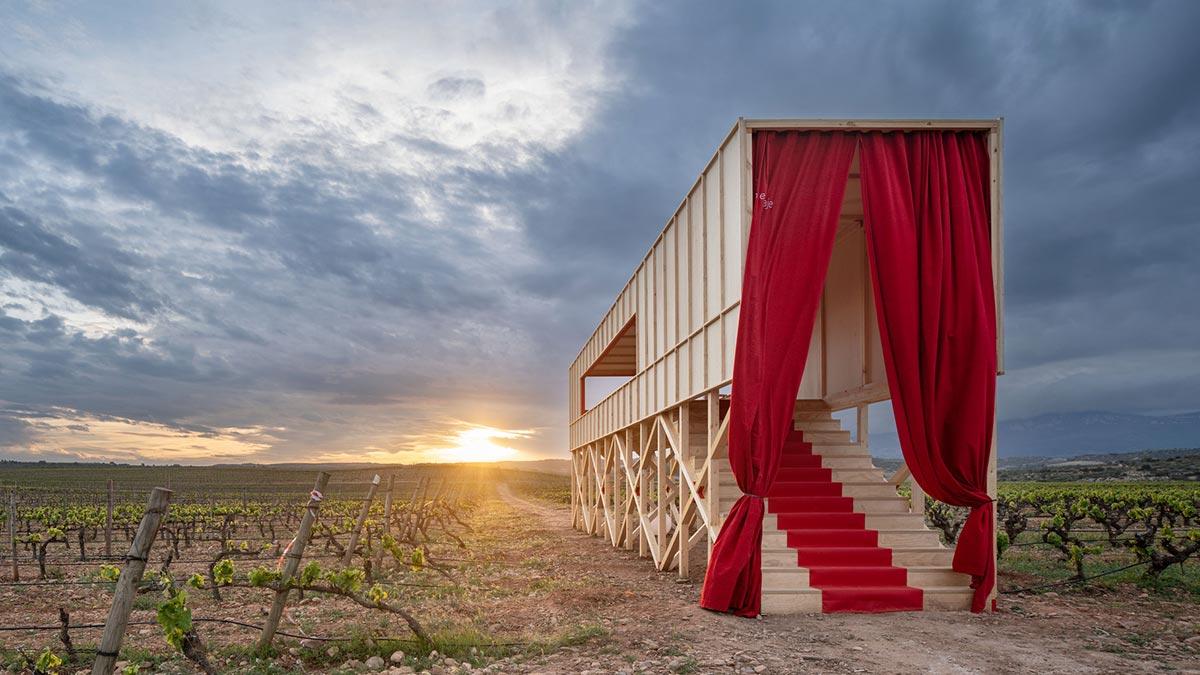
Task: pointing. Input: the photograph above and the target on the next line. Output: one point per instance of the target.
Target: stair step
(790, 505)
(922, 557)
(816, 424)
(791, 578)
(865, 473)
(816, 437)
(878, 599)
(802, 461)
(900, 539)
(778, 556)
(895, 521)
(846, 537)
(837, 556)
(880, 505)
(807, 601)
(867, 490)
(789, 473)
(947, 599)
(784, 488)
(839, 450)
(848, 462)
(937, 577)
(857, 576)
(808, 521)
(811, 404)
(868, 475)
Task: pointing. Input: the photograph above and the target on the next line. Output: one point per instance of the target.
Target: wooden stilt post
(712, 498)
(12, 534)
(863, 433)
(993, 492)
(108, 522)
(295, 552)
(574, 491)
(131, 574)
(362, 518)
(684, 454)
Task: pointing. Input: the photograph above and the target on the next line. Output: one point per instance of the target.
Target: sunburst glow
(479, 444)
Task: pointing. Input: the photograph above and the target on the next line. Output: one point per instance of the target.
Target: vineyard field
(472, 568)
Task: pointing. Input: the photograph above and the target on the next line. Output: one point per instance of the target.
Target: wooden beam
(891, 124)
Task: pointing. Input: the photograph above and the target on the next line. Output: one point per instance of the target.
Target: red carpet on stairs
(842, 557)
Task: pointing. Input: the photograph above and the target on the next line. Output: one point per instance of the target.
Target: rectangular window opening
(615, 366)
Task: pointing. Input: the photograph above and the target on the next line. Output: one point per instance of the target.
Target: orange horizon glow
(76, 436)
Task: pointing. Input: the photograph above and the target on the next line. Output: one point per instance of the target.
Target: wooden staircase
(837, 536)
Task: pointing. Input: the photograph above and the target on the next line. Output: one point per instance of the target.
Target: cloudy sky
(250, 232)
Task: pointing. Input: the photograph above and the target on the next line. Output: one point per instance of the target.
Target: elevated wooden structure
(650, 463)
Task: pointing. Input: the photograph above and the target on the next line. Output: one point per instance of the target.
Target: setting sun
(478, 444)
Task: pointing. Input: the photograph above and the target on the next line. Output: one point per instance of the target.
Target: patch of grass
(1139, 639)
(571, 637)
(140, 656)
(147, 602)
(266, 666)
(689, 665)
(1045, 565)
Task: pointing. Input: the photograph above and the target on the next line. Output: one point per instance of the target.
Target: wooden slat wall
(685, 295)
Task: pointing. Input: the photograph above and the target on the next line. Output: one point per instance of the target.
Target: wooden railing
(916, 501)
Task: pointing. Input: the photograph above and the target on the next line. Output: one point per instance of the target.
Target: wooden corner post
(292, 563)
(131, 574)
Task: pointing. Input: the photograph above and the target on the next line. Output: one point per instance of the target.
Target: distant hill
(1179, 464)
(1071, 434)
(554, 466)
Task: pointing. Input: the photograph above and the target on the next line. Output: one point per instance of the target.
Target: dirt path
(655, 625)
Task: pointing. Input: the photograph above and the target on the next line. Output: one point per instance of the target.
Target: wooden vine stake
(387, 520)
(12, 534)
(131, 574)
(108, 522)
(292, 563)
(362, 518)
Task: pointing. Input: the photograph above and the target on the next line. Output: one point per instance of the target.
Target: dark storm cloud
(307, 217)
(94, 272)
(1102, 136)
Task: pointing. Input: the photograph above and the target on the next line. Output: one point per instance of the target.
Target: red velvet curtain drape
(799, 182)
(925, 202)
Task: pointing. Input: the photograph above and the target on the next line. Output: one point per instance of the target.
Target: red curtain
(799, 181)
(925, 202)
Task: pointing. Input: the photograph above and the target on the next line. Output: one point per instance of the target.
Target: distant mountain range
(1071, 434)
